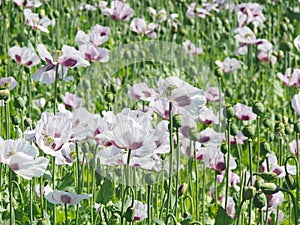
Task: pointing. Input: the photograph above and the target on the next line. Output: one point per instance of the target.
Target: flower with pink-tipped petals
(296, 103)
(72, 101)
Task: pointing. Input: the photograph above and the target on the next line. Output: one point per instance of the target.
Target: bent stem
(128, 188)
(294, 203)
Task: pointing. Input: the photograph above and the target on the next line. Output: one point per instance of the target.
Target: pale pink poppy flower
(244, 112)
(229, 65)
(139, 26)
(12, 83)
(141, 91)
(187, 98)
(133, 129)
(33, 20)
(275, 168)
(161, 107)
(207, 116)
(245, 37)
(212, 94)
(191, 49)
(250, 13)
(265, 50)
(53, 131)
(140, 210)
(210, 137)
(293, 147)
(24, 56)
(97, 36)
(160, 15)
(195, 10)
(290, 78)
(22, 158)
(40, 103)
(118, 11)
(230, 210)
(239, 139)
(28, 3)
(71, 58)
(72, 101)
(296, 103)
(83, 124)
(66, 155)
(93, 53)
(45, 190)
(62, 197)
(234, 179)
(297, 42)
(212, 157)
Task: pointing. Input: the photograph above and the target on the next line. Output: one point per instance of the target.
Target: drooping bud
(229, 112)
(290, 181)
(149, 179)
(258, 108)
(234, 129)
(265, 148)
(182, 189)
(268, 176)
(177, 121)
(218, 72)
(269, 188)
(129, 214)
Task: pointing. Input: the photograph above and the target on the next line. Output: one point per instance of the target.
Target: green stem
(196, 182)
(149, 219)
(170, 215)
(11, 209)
(258, 143)
(55, 90)
(294, 203)
(53, 187)
(227, 164)
(171, 157)
(66, 214)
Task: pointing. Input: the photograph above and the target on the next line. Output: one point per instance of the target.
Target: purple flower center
(18, 58)
(70, 62)
(65, 199)
(14, 166)
(245, 117)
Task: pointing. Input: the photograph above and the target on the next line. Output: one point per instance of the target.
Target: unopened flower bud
(129, 214)
(259, 200)
(182, 189)
(268, 176)
(149, 178)
(269, 188)
(109, 97)
(249, 192)
(15, 119)
(224, 148)
(185, 214)
(4, 94)
(290, 181)
(248, 131)
(218, 72)
(194, 134)
(297, 127)
(177, 121)
(229, 113)
(258, 108)
(234, 129)
(19, 102)
(86, 84)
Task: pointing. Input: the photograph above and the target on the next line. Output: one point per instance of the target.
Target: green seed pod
(269, 188)
(177, 121)
(113, 88)
(259, 200)
(290, 181)
(21, 38)
(109, 97)
(56, 14)
(218, 72)
(163, 156)
(19, 102)
(185, 214)
(258, 108)
(228, 92)
(268, 123)
(224, 148)
(265, 148)
(118, 172)
(4, 94)
(193, 71)
(42, 13)
(129, 214)
(27, 122)
(15, 119)
(149, 179)
(249, 192)
(297, 127)
(18, 132)
(248, 131)
(288, 129)
(194, 134)
(268, 176)
(278, 117)
(182, 189)
(86, 84)
(229, 113)
(258, 183)
(234, 129)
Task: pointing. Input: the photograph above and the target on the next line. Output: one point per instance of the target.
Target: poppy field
(149, 112)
